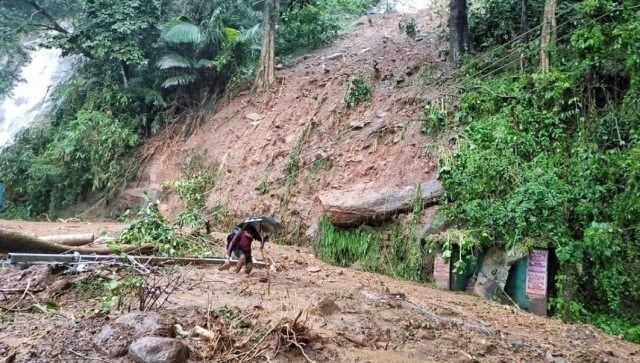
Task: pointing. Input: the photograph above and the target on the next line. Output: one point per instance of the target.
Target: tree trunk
(524, 32)
(548, 35)
(266, 75)
(79, 239)
(11, 241)
(524, 22)
(458, 30)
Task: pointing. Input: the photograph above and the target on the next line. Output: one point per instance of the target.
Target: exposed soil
(378, 143)
(349, 316)
(70, 226)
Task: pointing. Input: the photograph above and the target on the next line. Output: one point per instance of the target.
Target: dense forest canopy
(145, 63)
(548, 157)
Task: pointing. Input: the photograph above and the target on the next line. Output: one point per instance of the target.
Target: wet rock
(158, 350)
(254, 116)
(356, 125)
(334, 56)
(494, 273)
(362, 205)
(429, 223)
(136, 198)
(114, 339)
(325, 307)
(35, 277)
(312, 231)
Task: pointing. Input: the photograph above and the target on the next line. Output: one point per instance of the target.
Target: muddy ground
(347, 316)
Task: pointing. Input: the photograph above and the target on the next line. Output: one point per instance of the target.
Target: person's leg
(242, 260)
(249, 267)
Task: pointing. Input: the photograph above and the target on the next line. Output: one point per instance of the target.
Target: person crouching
(240, 245)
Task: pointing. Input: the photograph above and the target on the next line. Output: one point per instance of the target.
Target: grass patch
(392, 249)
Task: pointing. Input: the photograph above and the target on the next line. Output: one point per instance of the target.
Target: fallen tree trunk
(78, 239)
(11, 241)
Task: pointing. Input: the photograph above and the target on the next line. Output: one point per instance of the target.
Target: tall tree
(266, 75)
(458, 29)
(548, 35)
(524, 22)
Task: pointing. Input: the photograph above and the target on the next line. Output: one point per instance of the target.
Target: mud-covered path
(354, 316)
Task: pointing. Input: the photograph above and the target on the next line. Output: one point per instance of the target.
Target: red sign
(537, 273)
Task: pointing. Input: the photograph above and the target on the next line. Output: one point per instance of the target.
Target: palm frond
(181, 30)
(174, 60)
(205, 63)
(251, 36)
(216, 36)
(180, 80)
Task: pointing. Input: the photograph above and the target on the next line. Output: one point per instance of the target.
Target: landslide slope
(304, 119)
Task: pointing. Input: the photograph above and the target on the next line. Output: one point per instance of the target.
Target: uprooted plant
(167, 238)
(142, 288)
(184, 236)
(232, 336)
(296, 334)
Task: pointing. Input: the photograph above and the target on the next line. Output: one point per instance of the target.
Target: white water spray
(402, 6)
(30, 100)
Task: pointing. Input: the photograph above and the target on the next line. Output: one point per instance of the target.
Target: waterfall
(29, 102)
(401, 6)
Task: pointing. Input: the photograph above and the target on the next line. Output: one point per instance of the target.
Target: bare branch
(54, 24)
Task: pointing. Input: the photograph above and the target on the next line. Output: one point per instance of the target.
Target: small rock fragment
(325, 307)
(158, 350)
(254, 116)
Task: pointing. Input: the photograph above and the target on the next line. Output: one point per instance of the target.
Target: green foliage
(552, 160)
(153, 228)
(198, 177)
(115, 292)
(48, 168)
(409, 26)
(307, 26)
(359, 91)
(263, 187)
(315, 23)
(615, 325)
(499, 21)
(438, 117)
(393, 250)
(202, 57)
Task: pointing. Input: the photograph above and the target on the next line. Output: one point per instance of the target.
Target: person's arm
(233, 244)
(263, 241)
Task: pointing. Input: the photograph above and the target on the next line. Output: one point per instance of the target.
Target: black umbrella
(262, 224)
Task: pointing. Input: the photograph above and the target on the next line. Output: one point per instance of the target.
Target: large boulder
(115, 338)
(361, 205)
(136, 198)
(158, 350)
